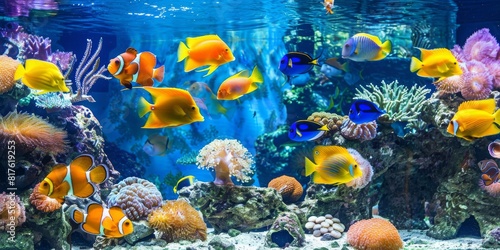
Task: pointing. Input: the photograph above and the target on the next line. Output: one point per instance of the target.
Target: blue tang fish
(296, 63)
(363, 111)
(304, 130)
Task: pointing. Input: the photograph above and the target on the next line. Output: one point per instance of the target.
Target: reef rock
(235, 207)
(285, 231)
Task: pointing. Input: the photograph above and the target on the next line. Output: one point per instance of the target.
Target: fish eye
(45, 184)
(227, 50)
(455, 63)
(117, 61)
(316, 152)
(193, 108)
(347, 45)
(127, 223)
(355, 166)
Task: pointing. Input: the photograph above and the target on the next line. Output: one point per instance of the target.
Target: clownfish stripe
(137, 61)
(120, 69)
(120, 224)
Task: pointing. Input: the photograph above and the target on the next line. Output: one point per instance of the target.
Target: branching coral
(12, 212)
(228, 158)
(402, 104)
(7, 68)
(374, 234)
(43, 202)
(31, 131)
(135, 196)
(177, 220)
(290, 189)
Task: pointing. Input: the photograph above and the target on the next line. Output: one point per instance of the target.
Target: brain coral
(8, 67)
(374, 234)
(178, 220)
(43, 202)
(228, 158)
(11, 206)
(289, 188)
(30, 132)
(135, 196)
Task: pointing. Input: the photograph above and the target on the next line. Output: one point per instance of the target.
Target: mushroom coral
(228, 158)
(177, 220)
(374, 234)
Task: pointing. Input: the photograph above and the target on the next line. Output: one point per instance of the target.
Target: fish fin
(318, 179)
(126, 84)
(193, 41)
(210, 69)
(477, 123)
(487, 105)
(386, 48)
(85, 191)
(77, 215)
(486, 179)
(415, 64)
(497, 117)
(108, 224)
(256, 76)
(20, 71)
(442, 68)
(131, 50)
(424, 53)
(61, 191)
(155, 122)
(182, 52)
(243, 73)
(322, 152)
(158, 73)
(178, 110)
(82, 163)
(310, 167)
(99, 174)
(147, 82)
(144, 107)
(131, 69)
(324, 128)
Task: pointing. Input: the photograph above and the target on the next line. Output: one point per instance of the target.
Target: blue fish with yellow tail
(184, 182)
(363, 111)
(296, 63)
(365, 47)
(304, 130)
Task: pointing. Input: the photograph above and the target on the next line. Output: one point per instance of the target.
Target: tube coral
(374, 234)
(43, 202)
(8, 67)
(177, 220)
(11, 206)
(32, 132)
(228, 158)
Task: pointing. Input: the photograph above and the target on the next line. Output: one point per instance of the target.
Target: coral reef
(362, 132)
(43, 202)
(366, 169)
(285, 231)
(8, 67)
(288, 187)
(177, 220)
(53, 100)
(332, 121)
(234, 207)
(374, 234)
(228, 158)
(321, 225)
(12, 213)
(135, 196)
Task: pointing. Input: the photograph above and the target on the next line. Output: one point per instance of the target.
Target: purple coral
(15, 8)
(136, 197)
(12, 212)
(481, 46)
(362, 132)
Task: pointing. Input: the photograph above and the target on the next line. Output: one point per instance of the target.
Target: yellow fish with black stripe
(475, 119)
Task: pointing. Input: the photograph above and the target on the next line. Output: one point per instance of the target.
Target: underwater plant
(228, 158)
(177, 220)
(374, 233)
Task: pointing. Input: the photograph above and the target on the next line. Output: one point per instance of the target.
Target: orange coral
(374, 234)
(8, 67)
(43, 202)
(289, 188)
(178, 220)
(31, 131)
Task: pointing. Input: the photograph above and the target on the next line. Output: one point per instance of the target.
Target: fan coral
(7, 68)
(362, 132)
(477, 86)
(289, 188)
(366, 169)
(30, 132)
(374, 234)
(43, 202)
(135, 196)
(481, 46)
(228, 158)
(11, 206)
(177, 220)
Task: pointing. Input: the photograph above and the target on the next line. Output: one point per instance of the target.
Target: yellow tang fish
(99, 220)
(208, 50)
(475, 119)
(332, 165)
(171, 107)
(239, 84)
(438, 63)
(41, 75)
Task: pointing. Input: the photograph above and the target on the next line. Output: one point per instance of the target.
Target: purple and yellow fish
(365, 47)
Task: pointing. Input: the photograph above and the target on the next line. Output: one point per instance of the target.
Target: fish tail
(19, 72)
(144, 107)
(310, 167)
(99, 174)
(256, 76)
(158, 73)
(345, 67)
(77, 215)
(182, 52)
(386, 47)
(415, 64)
(497, 118)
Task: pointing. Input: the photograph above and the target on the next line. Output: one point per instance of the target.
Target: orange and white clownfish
(79, 178)
(99, 220)
(132, 66)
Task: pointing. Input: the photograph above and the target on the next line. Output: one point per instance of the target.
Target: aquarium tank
(240, 125)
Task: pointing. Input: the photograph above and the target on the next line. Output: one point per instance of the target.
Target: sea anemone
(493, 189)
(177, 220)
(475, 67)
(450, 85)
(362, 132)
(12, 213)
(8, 67)
(43, 202)
(494, 69)
(30, 132)
(374, 234)
(494, 148)
(481, 46)
(228, 158)
(366, 170)
(288, 187)
(476, 86)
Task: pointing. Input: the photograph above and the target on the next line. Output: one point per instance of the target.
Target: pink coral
(136, 197)
(493, 189)
(476, 86)
(475, 67)
(43, 202)
(494, 69)
(450, 85)
(12, 213)
(228, 158)
(366, 170)
(362, 132)
(481, 46)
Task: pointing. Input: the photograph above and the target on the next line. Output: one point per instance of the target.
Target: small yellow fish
(171, 107)
(184, 182)
(240, 84)
(475, 119)
(41, 75)
(438, 63)
(332, 165)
